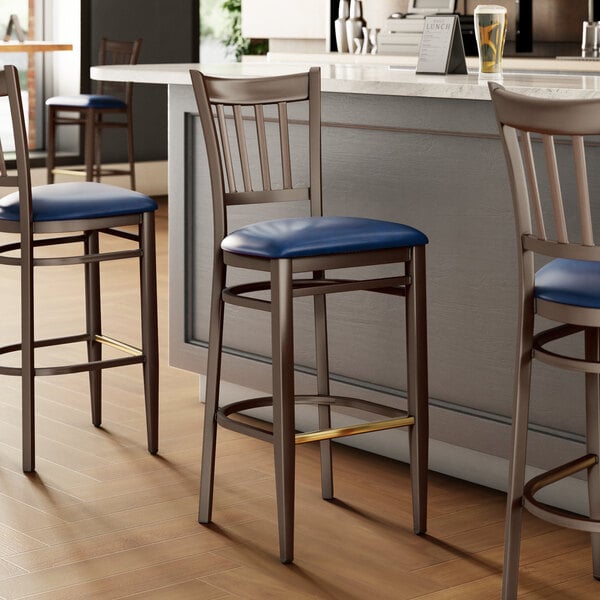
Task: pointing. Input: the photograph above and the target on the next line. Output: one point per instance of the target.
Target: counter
(348, 74)
(419, 149)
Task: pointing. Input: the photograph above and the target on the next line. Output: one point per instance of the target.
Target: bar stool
(230, 110)
(71, 214)
(566, 290)
(110, 108)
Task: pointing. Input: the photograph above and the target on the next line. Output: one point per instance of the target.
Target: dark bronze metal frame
(86, 232)
(213, 95)
(93, 120)
(520, 118)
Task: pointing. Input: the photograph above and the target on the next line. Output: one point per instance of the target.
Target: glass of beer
(490, 31)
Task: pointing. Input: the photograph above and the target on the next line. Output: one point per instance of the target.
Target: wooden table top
(33, 46)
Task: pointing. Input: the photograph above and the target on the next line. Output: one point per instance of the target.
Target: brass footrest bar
(328, 434)
(113, 343)
(81, 172)
(556, 515)
(78, 172)
(398, 418)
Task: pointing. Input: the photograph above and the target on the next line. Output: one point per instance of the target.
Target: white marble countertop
(539, 77)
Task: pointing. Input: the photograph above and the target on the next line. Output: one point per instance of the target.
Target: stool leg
(592, 393)
(322, 362)
(213, 381)
(130, 148)
(97, 168)
(27, 360)
(516, 482)
(283, 402)
(149, 318)
(89, 148)
(50, 158)
(93, 325)
(416, 350)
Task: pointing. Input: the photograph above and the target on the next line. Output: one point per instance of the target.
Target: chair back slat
(268, 159)
(284, 137)
(532, 184)
(226, 148)
(558, 190)
(261, 136)
(583, 192)
(242, 147)
(555, 190)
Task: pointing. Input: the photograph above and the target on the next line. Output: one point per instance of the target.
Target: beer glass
(490, 31)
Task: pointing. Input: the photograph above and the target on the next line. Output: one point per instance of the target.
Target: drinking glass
(490, 31)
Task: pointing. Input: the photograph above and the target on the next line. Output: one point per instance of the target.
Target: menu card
(441, 50)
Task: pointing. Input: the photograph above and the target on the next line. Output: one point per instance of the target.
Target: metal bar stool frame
(85, 232)
(213, 96)
(519, 117)
(95, 119)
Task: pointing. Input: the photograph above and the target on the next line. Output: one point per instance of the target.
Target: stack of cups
(490, 31)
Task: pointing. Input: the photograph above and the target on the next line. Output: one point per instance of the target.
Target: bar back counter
(425, 150)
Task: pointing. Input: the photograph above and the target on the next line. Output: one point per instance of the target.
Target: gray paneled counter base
(435, 163)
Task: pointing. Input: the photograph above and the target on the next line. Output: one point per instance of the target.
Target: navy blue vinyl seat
(313, 236)
(87, 101)
(109, 108)
(76, 223)
(245, 124)
(567, 281)
(84, 200)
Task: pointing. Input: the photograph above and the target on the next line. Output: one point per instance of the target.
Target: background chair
(280, 249)
(565, 290)
(109, 108)
(75, 214)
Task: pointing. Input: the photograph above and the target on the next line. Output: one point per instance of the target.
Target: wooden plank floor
(102, 519)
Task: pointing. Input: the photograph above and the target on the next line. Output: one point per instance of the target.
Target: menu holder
(13, 23)
(441, 50)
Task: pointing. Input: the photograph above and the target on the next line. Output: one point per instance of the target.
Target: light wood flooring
(102, 519)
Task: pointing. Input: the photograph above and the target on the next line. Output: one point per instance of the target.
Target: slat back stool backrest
(227, 141)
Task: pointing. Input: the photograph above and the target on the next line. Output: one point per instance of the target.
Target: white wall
(308, 19)
(61, 22)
